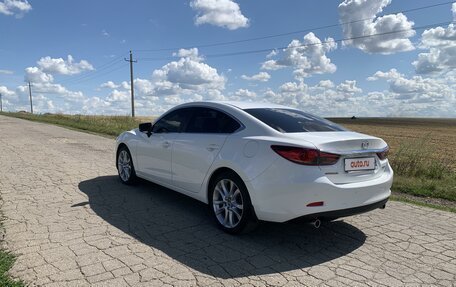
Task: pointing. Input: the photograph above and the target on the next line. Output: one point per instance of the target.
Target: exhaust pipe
(316, 223)
(383, 206)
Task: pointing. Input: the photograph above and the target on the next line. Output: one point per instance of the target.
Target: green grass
(104, 125)
(421, 172)
(6, 262)
(417, 159)
(444, 188)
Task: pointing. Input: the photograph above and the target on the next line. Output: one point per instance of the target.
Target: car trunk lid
(358, 154)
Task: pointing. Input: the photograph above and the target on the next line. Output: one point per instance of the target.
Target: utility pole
(30, 93)
(131, 84)
(1, 103)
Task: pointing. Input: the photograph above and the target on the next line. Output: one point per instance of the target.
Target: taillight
(383, 154)
(305, 156)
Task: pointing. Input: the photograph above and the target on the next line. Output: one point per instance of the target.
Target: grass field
(423, 151)
(437, 135)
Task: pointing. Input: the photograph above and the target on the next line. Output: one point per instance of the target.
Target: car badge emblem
(365, 145)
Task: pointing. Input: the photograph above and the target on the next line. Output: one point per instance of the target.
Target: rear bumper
(281, 194)
(330, 215)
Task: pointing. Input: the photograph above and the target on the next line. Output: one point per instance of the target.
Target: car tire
(230, 204)
(125, 167)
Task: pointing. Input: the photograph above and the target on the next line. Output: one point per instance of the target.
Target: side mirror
(146, 128)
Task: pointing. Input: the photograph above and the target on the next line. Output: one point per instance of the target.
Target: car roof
(237, 104)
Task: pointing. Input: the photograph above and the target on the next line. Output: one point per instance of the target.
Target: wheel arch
(221, 170)
(119, 146)
(214, 174)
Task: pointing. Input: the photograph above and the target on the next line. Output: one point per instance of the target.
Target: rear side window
(293, 121)
(206, 120)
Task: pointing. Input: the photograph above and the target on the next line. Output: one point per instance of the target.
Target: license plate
(361, 163)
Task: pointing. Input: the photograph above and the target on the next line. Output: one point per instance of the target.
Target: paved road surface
(72, 223)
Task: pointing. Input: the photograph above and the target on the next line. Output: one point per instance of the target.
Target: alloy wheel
(124, 165)
(228, 203)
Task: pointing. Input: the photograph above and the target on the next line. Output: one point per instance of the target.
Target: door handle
(212, 147)
(166, 144)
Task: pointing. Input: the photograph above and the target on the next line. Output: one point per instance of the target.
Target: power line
(98, 75)
(108, 66)
(308, 45)
(290, 33)
(99, 69)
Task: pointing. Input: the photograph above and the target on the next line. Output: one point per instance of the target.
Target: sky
(370, 58)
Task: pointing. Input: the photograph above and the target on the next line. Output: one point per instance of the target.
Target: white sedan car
(258, 161)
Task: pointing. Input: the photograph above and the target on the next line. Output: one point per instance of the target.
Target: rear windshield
(293, 121)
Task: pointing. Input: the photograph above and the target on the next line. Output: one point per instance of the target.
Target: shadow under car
(182, 228)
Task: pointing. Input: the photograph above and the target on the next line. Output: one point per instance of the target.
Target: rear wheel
(230, 204)
(125, 167)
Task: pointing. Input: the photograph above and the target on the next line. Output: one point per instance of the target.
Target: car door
(195, 149)
(154, 152)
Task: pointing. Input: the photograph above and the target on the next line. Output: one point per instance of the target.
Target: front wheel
(230, 204)
(125, 167)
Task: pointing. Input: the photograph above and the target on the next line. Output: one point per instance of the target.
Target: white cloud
(109, 85)
(439, 36)
(414, 96)
(183, 80)
(47, 97)
(221, 13)
(36, 75)
(293, 87)
(391, 74)
(189, 72)
(15, 7)
(188, 53)
(436, 60)
(7, 95)
(429, 96)
(272, 65)
(441, 54)
(6, 72)
(105, 33)
(125, 85)
(348, 87)
(96, 105)
(351, 11)
(119, 97)
(261, 77)
(63, 67)
(44, 87)
(243, 95)
(327, 84)
(143, 86)
(42, 80)
(307, 57)
(58, 90)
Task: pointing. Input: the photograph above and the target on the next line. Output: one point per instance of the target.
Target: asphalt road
(72, 223)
